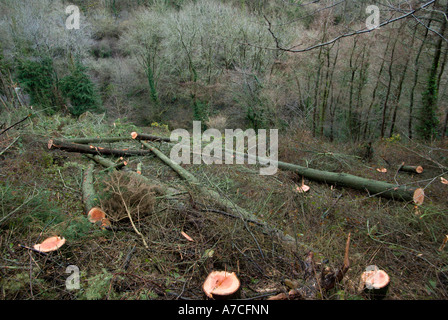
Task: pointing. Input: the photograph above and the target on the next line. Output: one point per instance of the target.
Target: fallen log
(222, 201)
(89, 149)
(411, 169)
(95, 214)
(88, 193)
(96, 140)
(373, 187)
(149, 137)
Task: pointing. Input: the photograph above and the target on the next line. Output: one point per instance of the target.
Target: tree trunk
(375, 91)
(374, 187)
(224, 202)
(142, 136)
(411, 169)
(73, 147)
(416, 72)
(389, 89)
(353, 69)
(400, 87)
(96, 140)
(89, 197)
(428, 120)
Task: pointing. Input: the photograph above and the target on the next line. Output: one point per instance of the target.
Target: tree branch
(353, 33)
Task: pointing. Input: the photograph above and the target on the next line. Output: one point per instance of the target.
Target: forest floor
(41, 196)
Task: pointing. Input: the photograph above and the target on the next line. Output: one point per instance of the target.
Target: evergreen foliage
(81, 91)
(39, 80)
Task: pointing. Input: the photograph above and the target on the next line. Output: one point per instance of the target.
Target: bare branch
(353, 33)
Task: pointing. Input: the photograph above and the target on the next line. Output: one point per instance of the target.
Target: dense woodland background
(348, 102)
(234, 64)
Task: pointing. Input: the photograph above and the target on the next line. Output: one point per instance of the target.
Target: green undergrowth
(40, 196)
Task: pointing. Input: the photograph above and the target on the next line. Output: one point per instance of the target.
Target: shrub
(39, 80)
(81, 91)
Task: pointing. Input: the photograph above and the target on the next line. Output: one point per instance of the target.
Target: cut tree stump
(50, 244)
(222, 285)
(375, 283)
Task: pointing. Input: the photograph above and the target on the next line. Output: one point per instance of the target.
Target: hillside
(345, 171)
(42, 196)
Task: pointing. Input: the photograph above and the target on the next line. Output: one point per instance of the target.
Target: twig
(325, 214)
(3, 151)
(130, 218)
(29, 115)
(19, 207)
(128, 258)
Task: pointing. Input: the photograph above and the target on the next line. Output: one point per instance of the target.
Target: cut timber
(222, 285)
(221, 200)
(96, 140)
(88, 149)
(373, 187)
(139, 168)
(50, 244)
(375, 283)
(142, 136)
(88, 192)
(94, 213)
(411, 169)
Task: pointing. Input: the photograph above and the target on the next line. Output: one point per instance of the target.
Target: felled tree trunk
(373, 187)
(88, 149)
(149, 137)
(88, 191)
(222, 201)
(96, 140)
(411, 169)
